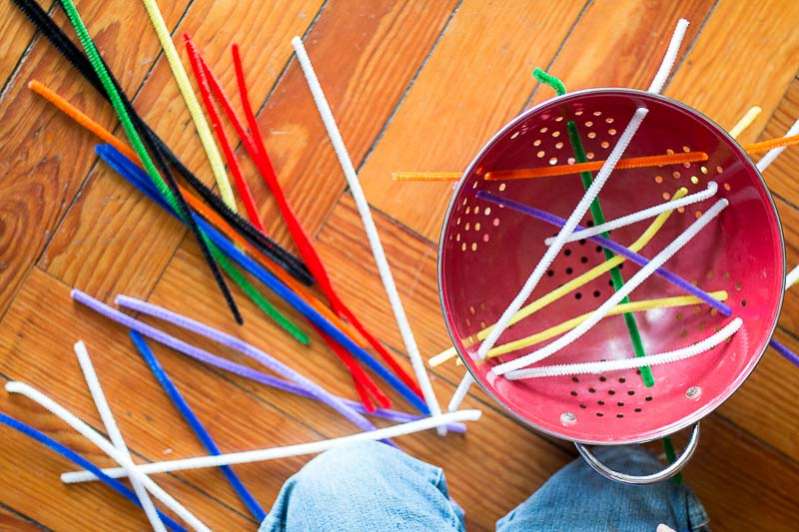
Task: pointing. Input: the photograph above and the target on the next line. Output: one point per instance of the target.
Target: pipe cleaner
(254, 145)
(583, 279)
(93, 436)
(244, 348)
(378, 253)
(195, 424)
(259, 455)
(184, 85)
(168, 191)
(272, 262)
(635, 281)
(80, 461)
(633, 256)
(230, 156)
(78, 60)
(114, 434)
(605, 366)
(598, 215)
(362, 383)
(290, 297)
(212, 360)
(552, 251)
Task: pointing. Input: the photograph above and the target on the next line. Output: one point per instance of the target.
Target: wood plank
(525, 459)
(726, 72)
(17, 35)
(14, 521)
(621, 44)
(781, 176)
(743, 484)
(112, 228)
(789, 215)
(764, 405)
(365, 54)
(473, 82)
(38, 182)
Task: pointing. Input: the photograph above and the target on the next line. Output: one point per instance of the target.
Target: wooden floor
(414, 85)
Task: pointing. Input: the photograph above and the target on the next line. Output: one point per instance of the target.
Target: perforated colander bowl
(488, 251)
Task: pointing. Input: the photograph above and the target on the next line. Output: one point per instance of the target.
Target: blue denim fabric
(371, 486)
(365, 486)
(578, 498)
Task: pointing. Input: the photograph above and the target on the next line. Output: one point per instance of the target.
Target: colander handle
(664, 474)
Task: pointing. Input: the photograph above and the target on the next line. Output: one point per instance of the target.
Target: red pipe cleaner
(233, 163)
(363, 382)
(257, 150)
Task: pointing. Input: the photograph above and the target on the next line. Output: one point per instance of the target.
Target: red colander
(487, 252)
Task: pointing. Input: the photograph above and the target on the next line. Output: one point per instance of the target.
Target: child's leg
(365, 486)
(578, 498)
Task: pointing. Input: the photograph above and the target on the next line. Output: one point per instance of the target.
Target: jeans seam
(439, 482)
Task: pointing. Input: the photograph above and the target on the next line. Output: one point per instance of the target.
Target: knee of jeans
(347, 460)
(632, 459)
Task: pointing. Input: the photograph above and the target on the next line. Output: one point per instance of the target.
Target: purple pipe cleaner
(557, 221)
(232, 367)
(785, 352)
(248, 350)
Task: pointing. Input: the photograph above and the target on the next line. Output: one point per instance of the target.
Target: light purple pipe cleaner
(243, 371)
(246, 349)
(557, 221)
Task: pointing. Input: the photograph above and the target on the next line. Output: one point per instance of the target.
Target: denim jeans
(371, 486)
